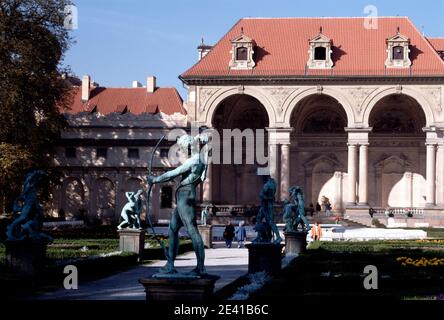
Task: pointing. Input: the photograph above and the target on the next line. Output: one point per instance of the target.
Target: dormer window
(398, 52)
(319, 53)
(242, 51)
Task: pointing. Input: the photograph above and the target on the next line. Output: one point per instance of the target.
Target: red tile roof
(437, 43)
(134, 100)
(282, 48)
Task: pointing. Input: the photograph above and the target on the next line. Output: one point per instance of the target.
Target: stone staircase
(359, 219)
(353, 224)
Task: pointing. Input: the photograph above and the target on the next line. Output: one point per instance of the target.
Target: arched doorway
(238, 183)
(397, 153)
(319, 148)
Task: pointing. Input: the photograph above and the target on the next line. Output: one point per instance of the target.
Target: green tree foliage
(33, 41)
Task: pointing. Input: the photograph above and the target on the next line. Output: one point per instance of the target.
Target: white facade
(356, 168)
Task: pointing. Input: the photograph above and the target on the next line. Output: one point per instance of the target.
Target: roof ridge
(103, 87)
(278, 59)
(330, 17)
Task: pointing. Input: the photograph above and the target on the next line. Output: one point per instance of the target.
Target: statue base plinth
(264, 257)
(179, 288)
(206, 231)
(26, 258)
(295, 242)
(132, 240)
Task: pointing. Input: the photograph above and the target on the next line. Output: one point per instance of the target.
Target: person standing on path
(316, 232)
(229, 234)
(241, 235)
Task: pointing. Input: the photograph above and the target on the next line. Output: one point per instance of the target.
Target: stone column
(440, 175)
(431, 175)
(337, 205)
(285, 170)
(207, 189)
(363, 175)
(276, 137)
(272, 161)
(408, 188)
(352, 171)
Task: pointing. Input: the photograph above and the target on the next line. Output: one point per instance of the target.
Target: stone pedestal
(264, 257)
(295, 242)
(26, 258)
(132, 240)
(178, 288)
(206, 231)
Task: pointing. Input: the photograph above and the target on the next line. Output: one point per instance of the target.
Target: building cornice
(307, 80)
(89, 142)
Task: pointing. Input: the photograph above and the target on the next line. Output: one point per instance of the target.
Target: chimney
(86, 82)
(151, 84)
(137, 84)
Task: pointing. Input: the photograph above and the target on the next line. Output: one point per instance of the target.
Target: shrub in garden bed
(155, 252)
(335, 274)
(90, 268)
(63, 249)
(376, 245)
(82, 232)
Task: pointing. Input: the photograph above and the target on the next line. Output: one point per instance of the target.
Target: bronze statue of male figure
(267, 196)
(191, 172)
(294, 211)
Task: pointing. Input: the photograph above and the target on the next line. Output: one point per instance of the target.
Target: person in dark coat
(311, 209)
(318, 207)
(229, 235)
(241, 235)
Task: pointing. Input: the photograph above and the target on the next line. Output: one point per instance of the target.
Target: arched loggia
(397, 153)
(319, 148)
(238, 183)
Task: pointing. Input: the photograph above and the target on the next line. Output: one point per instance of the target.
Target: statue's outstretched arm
(170, 175)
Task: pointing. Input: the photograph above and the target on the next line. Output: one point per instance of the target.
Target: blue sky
(118, 41)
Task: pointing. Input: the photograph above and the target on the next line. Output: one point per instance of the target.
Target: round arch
(73, 196)
(294, 99)
(105, 198)
(221, 95)
(383, 93)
